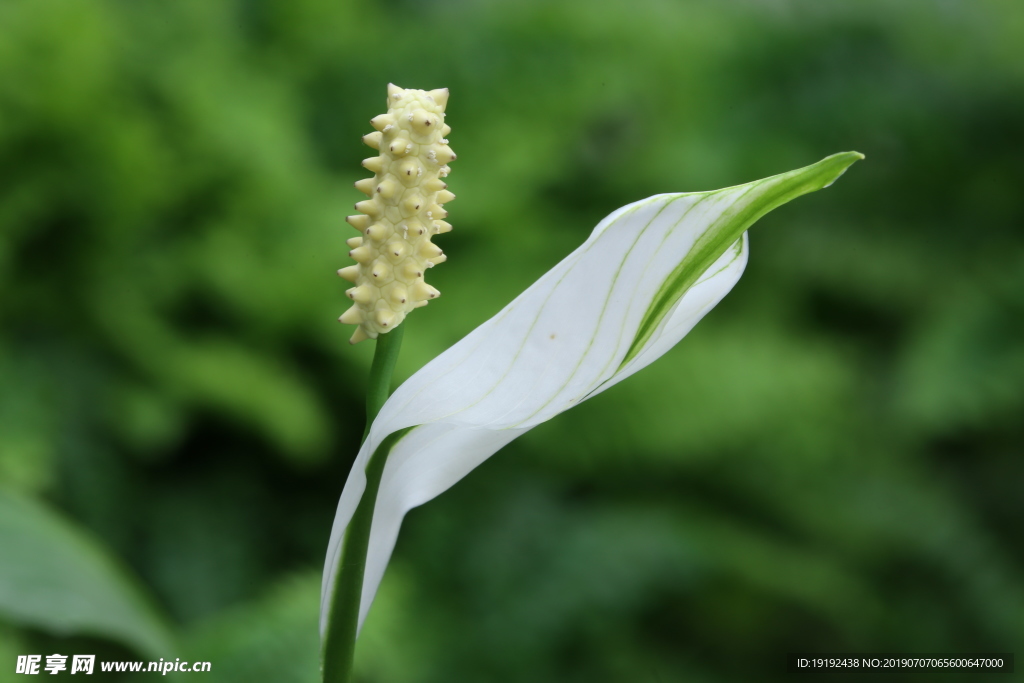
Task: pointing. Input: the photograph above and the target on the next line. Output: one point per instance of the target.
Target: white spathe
(558, 343)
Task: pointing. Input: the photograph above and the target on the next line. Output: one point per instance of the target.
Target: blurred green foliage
(831, 461)
(53, 577)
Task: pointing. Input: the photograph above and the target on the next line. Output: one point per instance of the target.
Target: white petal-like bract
(646, 275)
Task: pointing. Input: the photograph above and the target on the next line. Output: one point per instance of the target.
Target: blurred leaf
(11, 646)
(55, 577)
(272, 638)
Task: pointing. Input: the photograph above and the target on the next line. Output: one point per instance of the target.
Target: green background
(831, 461)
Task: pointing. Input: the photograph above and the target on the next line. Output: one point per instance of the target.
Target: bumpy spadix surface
(647, 274)
(403, 211)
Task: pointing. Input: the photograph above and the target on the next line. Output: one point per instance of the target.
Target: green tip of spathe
(838, 163)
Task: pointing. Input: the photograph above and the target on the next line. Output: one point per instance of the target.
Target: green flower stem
(340, 641)
(384, 358)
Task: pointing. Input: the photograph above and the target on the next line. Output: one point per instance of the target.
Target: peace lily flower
(645, 276)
